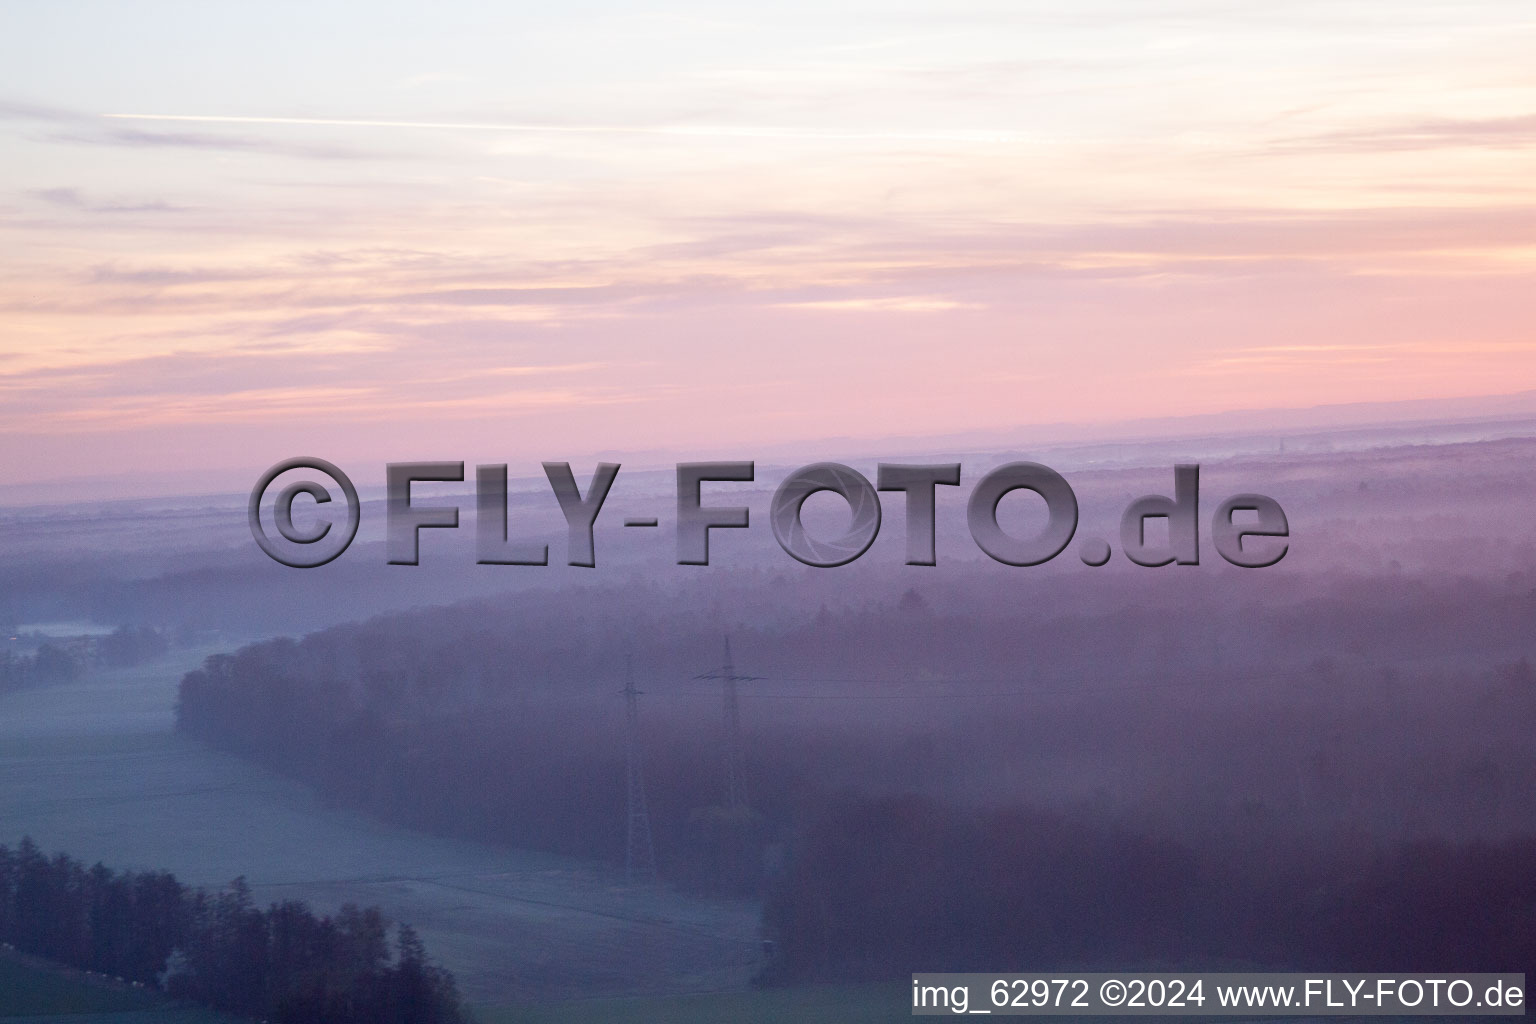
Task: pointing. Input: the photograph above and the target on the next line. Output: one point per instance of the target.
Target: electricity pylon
(735, 780)
(639, 852)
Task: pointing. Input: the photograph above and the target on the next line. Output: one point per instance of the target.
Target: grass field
(36, 993)
(94, 768)
(28, 990)
(827, 1004)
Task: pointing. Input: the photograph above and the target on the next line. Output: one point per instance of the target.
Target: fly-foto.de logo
(1247, 530)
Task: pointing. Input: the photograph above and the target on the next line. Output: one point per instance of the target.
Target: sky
(230, 233)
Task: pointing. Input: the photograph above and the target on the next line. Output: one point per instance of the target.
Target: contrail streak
(695, 131)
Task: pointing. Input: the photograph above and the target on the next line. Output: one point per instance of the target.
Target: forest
(1163, 775)
(875, 884)
(283, 963)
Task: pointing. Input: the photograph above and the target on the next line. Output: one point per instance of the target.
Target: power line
(1231, 684)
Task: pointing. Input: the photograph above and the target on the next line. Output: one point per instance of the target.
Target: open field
(37, 993)
(93, 768)
(29, 989)
(820, 1004)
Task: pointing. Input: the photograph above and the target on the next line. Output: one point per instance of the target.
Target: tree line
(59, 661)
(284, 963)
(873, 886)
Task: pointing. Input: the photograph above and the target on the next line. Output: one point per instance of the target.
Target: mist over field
(1324, 764)
(1258, 273)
